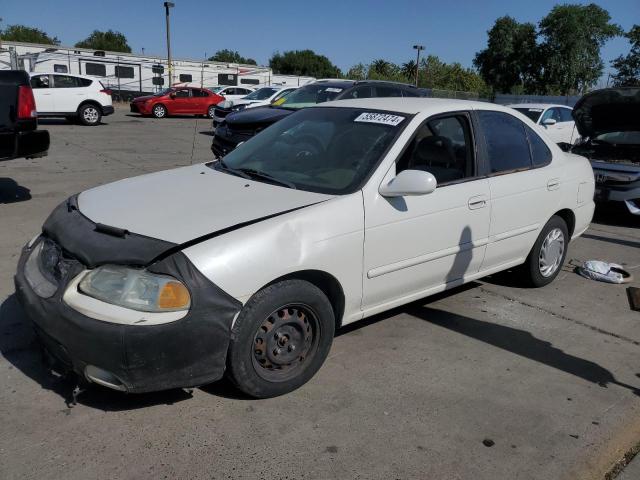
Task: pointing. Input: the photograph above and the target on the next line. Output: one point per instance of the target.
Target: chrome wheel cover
(551, 253)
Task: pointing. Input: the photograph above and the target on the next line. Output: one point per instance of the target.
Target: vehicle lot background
(549, 375)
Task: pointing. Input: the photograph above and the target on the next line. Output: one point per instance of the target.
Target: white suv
(71, 96)
(232, 93)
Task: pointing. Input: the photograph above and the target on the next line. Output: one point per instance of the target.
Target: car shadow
(208, 133)
(12, 192)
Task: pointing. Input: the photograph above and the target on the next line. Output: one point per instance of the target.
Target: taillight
(106, 90)
(26, 103)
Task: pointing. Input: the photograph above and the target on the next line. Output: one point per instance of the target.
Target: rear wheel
(211, 111)
(89, 114)
(159, 111)
(548, 254)
(280, 339)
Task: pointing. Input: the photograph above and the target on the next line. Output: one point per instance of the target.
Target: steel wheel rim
(159, 111)
(90, 114)
(285, 342)
(551, 253)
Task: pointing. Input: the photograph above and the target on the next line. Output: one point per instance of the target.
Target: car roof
(386, 82)
(33, 74)
(537, 105)
(416, 105)
(333, 82)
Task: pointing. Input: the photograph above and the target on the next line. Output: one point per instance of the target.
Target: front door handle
(479, 201)
(553, 184)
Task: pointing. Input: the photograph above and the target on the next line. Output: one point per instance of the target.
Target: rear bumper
(30, 144)
(107, 110)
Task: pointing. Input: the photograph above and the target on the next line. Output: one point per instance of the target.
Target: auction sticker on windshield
(382, 118)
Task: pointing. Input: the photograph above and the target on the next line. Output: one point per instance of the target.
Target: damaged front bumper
(187, 352)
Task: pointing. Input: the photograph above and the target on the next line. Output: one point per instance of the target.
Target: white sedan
(556, 120)
(248, 265)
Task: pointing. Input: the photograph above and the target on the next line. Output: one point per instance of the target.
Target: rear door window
(182, 93)
(65, 81)
(388, 92)
(506, 141)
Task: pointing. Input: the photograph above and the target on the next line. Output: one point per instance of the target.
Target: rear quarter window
(540, 153)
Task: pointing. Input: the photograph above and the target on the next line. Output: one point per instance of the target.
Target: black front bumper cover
(184, 353)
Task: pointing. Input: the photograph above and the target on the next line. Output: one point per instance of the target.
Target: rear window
(540, 153)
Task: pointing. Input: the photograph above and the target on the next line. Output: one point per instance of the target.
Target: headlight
(136, 289)
(237, 108)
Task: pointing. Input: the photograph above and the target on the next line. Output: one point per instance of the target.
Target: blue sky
(347, 31)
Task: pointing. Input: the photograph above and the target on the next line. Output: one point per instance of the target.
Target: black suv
(241, 126)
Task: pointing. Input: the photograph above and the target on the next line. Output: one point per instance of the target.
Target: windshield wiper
(253, 173)
(233, 171)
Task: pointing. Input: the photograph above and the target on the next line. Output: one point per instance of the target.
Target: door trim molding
(411, 262)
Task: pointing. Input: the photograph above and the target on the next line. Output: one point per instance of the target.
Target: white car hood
(186, 203)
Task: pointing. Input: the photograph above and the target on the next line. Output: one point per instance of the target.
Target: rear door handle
(553, 184)
(479, 201)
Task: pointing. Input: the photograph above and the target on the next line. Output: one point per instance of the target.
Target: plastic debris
(604, 272)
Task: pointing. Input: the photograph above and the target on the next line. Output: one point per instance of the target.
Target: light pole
(167, 6)
(418, 48)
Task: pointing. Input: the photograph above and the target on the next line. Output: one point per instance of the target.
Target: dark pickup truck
(19, 134)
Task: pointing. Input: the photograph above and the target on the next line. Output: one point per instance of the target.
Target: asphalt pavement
(489, 381)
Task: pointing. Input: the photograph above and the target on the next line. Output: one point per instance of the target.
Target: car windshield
(309, 95)
(532, 113)
(216, 89)
(620, 138)
(261, 94)
(164, 92)
(324, 149)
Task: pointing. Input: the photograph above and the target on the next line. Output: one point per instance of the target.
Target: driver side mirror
(172, 96)
(549, 121)
(409, 182)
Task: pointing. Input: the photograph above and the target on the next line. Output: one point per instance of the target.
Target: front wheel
(548, 254)
(280, 339)
(89, 114)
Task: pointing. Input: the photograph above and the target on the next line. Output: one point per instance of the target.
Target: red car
(177, 101)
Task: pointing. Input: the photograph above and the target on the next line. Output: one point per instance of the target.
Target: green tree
(303, 62)
(22, 33)
(357, 72)
(109, 40)
(231, 56)
(510, 59)
(572, 36)
(628, 67)
(382, 67)
(408, 69)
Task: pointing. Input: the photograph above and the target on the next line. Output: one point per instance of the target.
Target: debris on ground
(634, 298)
(604, 272)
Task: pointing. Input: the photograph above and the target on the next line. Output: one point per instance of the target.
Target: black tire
(210, 111)
(532, 271)
(159, 111)
(280, 339)
(89, 114)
